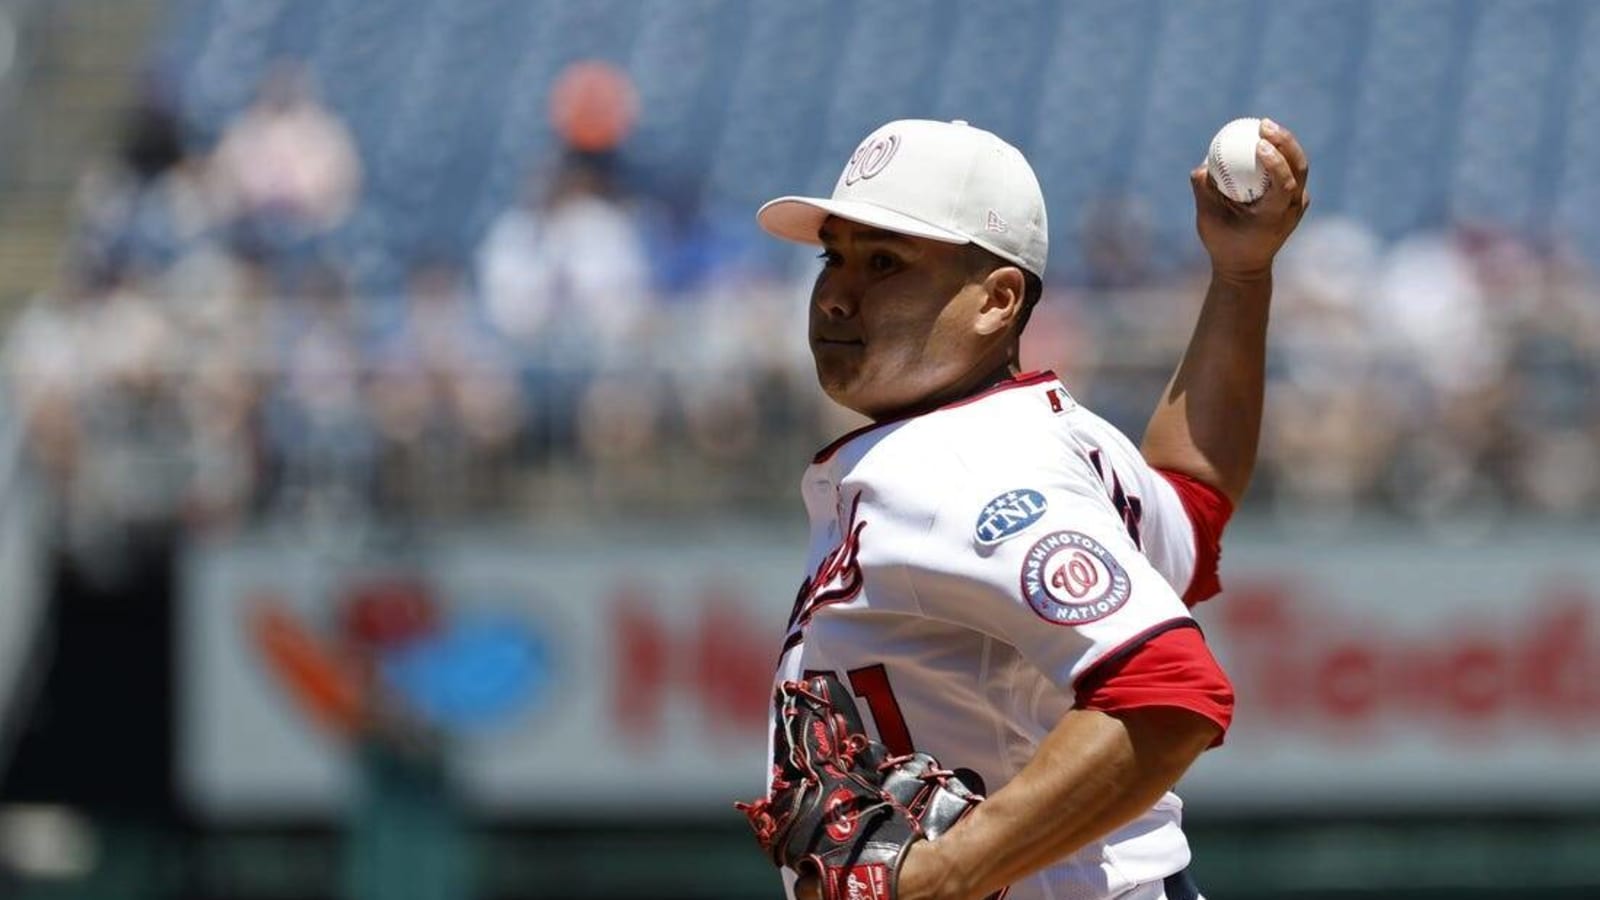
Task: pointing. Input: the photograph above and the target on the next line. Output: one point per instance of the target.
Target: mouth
(837, 342)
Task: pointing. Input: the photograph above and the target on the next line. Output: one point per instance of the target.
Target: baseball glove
(840, 808)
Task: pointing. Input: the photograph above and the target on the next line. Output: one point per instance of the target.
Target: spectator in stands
(1550, 430)
(49, 369)
(287, 163)
(1331, 423)
(566, 282)
(445, 399)
(318, 428)
(93, 372)
(226, 306)
(564, 272)
(130, 471)
(1443, 355)
(151, 202)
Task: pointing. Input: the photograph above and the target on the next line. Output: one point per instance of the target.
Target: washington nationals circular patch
(1069, 579)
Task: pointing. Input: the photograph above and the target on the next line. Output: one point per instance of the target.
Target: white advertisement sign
(1393, 674)
(1380, 674)
(655, 658)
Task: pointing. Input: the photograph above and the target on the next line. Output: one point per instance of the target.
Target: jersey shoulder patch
(1069, 578)
(1008, 515)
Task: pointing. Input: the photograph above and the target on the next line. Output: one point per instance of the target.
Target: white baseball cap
(947, 181)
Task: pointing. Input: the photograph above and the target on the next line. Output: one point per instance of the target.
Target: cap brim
(799, 219)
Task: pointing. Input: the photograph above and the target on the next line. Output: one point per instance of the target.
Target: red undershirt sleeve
(1209, 510)
(1172, 666)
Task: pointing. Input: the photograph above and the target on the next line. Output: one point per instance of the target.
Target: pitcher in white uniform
(1000, 576)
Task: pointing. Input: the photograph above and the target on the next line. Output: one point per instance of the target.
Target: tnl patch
(1070, 579)
(1009, 514)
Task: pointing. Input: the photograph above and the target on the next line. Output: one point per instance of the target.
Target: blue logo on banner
(1009, 514)
(479, 672)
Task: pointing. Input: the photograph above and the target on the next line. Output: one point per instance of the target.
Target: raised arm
(1208, 421)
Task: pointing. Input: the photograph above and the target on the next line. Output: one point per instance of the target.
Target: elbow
(1231, 485)
(1227, 473)
(1168, 739)
(1172, 698)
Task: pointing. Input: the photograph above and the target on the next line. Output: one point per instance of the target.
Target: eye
(882, 262)
(829, 259)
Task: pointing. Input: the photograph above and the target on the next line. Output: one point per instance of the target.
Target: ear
(1003, 289)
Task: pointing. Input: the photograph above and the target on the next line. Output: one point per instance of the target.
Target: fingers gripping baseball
(1242, 239)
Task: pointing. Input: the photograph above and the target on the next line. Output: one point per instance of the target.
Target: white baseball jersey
(968, 566)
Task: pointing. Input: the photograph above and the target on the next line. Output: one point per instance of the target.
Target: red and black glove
(840, 808)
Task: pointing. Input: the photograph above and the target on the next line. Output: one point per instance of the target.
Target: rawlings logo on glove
(839, 807)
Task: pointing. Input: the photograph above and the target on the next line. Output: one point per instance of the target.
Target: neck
(980, 380)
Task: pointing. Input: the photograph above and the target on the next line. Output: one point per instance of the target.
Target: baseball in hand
(1232, 161)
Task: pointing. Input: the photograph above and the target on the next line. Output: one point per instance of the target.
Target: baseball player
(998, 579)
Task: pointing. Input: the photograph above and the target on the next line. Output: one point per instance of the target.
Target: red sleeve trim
(1169, 665)
(1209, 510)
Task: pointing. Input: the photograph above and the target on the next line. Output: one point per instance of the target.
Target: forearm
(1208, 421)
(1092, 774)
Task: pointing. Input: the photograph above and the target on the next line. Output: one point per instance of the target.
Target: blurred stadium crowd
(209, 356)
(229, 341)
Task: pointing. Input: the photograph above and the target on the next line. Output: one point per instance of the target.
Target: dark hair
(986, 261)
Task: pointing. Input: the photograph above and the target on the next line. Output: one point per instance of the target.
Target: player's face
(896, 321)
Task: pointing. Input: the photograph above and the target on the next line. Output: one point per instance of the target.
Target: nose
(835, 296)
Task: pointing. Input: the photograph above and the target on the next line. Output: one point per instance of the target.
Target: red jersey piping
(1089, 678)
(1027, 379)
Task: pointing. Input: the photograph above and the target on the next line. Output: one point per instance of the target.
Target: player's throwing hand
(1242, 239)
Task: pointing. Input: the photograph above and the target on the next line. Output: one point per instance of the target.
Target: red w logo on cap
(871, 158)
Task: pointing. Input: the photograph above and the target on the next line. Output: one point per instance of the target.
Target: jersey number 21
(871, 683)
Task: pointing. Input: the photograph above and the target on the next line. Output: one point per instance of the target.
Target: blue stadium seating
(1417, 112)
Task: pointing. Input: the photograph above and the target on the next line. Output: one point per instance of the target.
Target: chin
(836, 374)
(856, 386)
(842, 388)
(857, 399)
(837, 389)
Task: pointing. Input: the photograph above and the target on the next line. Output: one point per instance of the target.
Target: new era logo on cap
(946, 181)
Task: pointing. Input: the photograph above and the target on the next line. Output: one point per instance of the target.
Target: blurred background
(402, 416)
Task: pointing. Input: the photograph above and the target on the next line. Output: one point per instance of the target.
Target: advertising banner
(598, 674)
